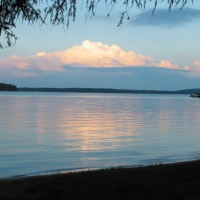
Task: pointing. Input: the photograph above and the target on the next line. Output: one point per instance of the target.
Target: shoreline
(85, 169)
(160, 181)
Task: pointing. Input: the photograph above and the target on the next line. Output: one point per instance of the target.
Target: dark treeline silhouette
(105, 90)
(7, 87)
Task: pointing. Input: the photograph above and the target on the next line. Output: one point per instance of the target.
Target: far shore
(162, 181)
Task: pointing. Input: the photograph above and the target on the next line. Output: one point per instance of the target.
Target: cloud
(96, 54)
(89, 54)
(163, 17)
(14, 61)
(40, 61)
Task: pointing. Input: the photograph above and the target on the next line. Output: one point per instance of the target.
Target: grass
(164, 181)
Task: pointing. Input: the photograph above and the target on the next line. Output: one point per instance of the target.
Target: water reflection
(55, 131)
(83, 124)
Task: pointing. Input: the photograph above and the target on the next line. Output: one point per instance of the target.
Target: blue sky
(160, 52)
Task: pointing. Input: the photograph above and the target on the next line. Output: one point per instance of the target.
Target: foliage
(61, 12)
(7, 87)
(197, 95)
(13, 10)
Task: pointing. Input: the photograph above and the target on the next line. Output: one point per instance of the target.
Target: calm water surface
(44, 132)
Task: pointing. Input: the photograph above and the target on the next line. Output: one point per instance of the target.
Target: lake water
(45, 132)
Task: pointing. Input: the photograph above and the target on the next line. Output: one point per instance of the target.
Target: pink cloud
(41, 61)
(15, 61)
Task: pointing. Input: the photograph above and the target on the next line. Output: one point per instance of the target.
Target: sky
(150, 52)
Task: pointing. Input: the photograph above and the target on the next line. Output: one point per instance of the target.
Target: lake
(52, 132)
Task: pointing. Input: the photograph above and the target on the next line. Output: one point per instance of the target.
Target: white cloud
(96, 54)
(88, 54)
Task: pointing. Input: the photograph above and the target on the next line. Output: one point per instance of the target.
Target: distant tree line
(105, 90)
(7, 87)
(195, 93)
